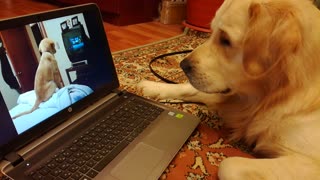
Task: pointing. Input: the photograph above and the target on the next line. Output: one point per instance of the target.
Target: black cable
(162, 56)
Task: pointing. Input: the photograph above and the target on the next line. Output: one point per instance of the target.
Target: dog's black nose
(186, 65)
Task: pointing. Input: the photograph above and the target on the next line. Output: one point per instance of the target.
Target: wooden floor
(120, 37)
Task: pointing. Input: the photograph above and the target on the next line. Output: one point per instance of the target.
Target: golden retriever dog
(260, 69)
(47, 78)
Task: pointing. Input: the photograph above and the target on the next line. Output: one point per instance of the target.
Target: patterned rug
(201, 155)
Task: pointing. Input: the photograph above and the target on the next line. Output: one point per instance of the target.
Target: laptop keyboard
(87, 155)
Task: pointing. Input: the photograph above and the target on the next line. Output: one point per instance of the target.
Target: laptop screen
(60, 59)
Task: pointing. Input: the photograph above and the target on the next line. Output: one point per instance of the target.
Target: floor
(119, 37)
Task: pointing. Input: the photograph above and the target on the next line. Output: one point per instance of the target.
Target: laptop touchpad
(139, 162)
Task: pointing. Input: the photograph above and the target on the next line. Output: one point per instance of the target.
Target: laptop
(89, 128)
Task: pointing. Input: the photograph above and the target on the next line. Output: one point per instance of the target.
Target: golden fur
(260, 70)
(47, 78)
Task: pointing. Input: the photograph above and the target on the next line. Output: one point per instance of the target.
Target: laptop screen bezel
(91, 10)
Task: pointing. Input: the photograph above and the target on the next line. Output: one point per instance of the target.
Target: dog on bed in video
(260, 70)
(47, 78)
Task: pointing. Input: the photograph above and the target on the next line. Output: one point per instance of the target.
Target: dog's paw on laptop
(157, 90)
(154, 90)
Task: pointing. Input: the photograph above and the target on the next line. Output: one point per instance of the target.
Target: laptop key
(37, 176)
(64, 166)
(71, 160)
(52, 164)
(80, 162)
(78, 154)
(76, 176)
(85, 178)
(84, 169)
(92, 173)
(56, 172)
(44, 171)
(66, 153)
(98, 157)
(73, 168)
(65, 174)
(87, 156)
(91, 163)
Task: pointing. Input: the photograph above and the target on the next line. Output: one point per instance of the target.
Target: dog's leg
(49, 89)
(184, 92)
(284, 168)
(35, 106)
(58, 81)
(56, 74)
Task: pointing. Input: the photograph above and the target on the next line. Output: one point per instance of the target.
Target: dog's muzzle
(187, 68)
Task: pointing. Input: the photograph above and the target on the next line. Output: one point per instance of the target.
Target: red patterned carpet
(201, 155)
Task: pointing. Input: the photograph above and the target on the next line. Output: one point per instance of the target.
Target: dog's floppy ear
(52, 46)
(273, 33)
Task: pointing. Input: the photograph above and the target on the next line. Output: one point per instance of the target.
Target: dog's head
(47, 45)
(253, 45)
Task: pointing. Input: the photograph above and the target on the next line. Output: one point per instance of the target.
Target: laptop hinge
(14, 158)
(119, 92)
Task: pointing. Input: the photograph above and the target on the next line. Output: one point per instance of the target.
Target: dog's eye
(225, 41)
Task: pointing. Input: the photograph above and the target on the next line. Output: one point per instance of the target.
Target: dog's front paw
(238, 168)
(150, 89)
